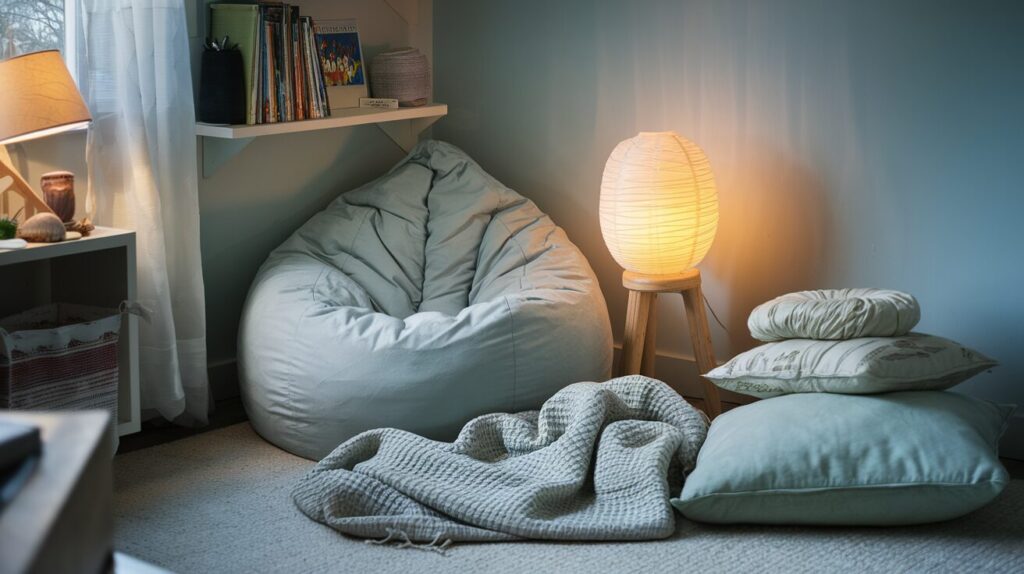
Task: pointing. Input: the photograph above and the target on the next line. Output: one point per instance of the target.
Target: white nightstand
(98, 270)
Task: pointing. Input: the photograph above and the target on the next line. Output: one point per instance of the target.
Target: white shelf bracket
(217, 152)
(406, 133)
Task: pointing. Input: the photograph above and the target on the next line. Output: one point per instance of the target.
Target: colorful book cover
(341, 62)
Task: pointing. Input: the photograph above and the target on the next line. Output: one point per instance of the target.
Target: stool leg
(647, 363)
(700, 335)
(638, 312)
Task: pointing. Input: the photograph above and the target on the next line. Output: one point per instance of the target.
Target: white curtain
(133, 68)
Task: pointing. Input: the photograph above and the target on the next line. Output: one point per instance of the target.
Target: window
(31, 25)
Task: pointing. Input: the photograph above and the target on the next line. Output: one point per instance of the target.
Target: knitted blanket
(599, 461)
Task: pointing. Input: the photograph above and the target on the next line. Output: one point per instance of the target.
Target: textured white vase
(402, 74)
(659, 206)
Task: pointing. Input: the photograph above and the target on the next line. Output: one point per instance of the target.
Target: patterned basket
(60, 357)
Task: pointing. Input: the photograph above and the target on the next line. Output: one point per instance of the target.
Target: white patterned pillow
(835, 314)
(856, 366)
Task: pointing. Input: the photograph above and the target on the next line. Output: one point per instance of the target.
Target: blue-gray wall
(855, 143)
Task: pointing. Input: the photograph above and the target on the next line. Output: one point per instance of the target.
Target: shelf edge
(364, 116)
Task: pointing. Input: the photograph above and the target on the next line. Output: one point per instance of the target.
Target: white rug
(220, 502)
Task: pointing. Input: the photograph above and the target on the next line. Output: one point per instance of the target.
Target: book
(318, 89)
(309, 86)
(287, 70)
(241, 24)
(268, 72)
(341, 62)
(283, 68)
(275, 82)
(296, 65)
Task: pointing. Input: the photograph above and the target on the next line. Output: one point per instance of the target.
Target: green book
(241, 23)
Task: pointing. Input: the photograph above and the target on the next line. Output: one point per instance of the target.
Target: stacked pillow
(857, 432)
(851, 341)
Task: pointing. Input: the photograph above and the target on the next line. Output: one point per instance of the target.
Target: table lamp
(659, 214)
(38, 98)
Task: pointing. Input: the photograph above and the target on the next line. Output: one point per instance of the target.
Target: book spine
(264, 105)
(252, 106)
(286, 63)
(314, 70)
(297, 83)
(321, 84)
(271, 85)
(279, 74)
(311, 95)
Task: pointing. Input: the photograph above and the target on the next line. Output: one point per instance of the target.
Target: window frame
(70, 50)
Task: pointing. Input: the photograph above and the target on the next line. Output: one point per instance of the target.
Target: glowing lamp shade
(659, 206)
(38, 98)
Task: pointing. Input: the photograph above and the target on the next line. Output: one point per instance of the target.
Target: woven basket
(401, 74)
(60, 357)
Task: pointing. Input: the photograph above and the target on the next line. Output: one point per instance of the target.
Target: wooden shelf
(340, 118)
(403, 125)
(98, 270)
(100, 238)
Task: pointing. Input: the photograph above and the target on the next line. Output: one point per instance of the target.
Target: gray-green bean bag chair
(419, 301)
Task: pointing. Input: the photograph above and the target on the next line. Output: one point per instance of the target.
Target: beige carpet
(219, 502)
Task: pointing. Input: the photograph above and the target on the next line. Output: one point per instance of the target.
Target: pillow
(900, 458)
(914, 362)
(835, 314)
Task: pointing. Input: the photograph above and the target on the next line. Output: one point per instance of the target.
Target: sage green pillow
(898, 458)
(914, 362)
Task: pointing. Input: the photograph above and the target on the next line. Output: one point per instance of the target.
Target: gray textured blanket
(599, 461)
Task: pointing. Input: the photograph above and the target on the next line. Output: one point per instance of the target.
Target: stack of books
(284, 79)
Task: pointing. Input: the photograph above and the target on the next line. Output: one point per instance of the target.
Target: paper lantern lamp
(659, 207)
(659, 214)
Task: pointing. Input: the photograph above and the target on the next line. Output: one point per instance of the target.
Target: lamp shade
(659, 206)
(38, 98)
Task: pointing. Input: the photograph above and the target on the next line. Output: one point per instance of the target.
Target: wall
(855, 143)
(260, 196)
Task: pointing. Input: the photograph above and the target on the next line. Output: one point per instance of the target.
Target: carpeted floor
(219, 502)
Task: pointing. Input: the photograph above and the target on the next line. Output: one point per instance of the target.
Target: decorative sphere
(659, 206)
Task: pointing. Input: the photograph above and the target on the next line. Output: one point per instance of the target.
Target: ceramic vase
(59, 193)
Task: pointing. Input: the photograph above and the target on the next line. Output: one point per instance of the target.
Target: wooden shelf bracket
(407, 133)
(217, 152)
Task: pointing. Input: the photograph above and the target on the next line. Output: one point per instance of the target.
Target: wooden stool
(638, 344)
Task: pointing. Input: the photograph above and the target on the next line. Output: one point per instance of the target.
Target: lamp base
(638, 350)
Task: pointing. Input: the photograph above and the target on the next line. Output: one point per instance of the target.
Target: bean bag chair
(419, 301)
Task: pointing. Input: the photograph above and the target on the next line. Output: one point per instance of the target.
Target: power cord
(715, 315)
